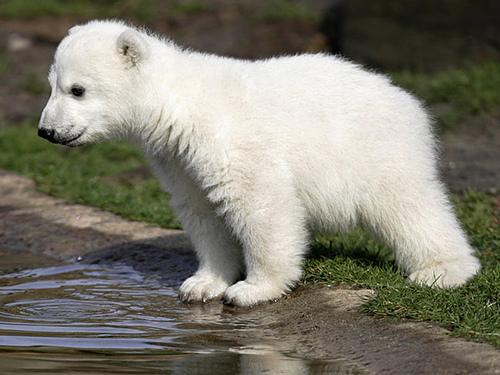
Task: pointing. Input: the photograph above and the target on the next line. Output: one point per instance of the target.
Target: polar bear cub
(258, 154)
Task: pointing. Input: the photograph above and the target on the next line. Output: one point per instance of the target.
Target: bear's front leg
(220, 258)
(220, 263)
(270, 225)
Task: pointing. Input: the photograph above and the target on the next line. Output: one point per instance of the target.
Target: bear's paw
(447, 274)
(202, 288)
(244, 293)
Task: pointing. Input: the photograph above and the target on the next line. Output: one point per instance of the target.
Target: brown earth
(312, 322)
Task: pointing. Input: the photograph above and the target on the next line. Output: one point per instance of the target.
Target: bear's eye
(77, 90)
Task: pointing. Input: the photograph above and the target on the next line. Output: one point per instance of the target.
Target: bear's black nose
(46, 133)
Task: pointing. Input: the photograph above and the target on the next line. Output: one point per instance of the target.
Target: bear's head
(94, 79)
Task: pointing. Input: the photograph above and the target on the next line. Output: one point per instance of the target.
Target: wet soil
(311, 323)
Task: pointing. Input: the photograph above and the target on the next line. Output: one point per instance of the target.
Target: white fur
(257, 154)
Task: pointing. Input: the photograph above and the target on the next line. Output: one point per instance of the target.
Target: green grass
(36, 8)
(142, 10)
(34, 84)
(4, 62)
(93, 175)
(358, 261)
(457, 94)
(191, 7)
(279, 10)
(87, 175)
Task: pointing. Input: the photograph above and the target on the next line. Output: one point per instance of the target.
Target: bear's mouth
(67, 142)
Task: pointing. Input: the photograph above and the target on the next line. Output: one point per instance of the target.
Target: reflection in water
(83, 318)
(182, 364)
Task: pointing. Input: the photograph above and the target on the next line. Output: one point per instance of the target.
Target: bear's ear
(74, 29)
(132, 47)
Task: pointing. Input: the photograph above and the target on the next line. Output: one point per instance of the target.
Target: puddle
(102, 319)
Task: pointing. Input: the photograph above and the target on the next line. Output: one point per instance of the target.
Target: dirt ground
(315, 322)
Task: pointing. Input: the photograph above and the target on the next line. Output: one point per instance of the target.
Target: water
(94, 319)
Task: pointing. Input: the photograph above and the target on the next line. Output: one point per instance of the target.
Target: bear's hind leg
(421, 227)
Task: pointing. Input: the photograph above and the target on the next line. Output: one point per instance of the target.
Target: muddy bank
(313, 323)
(325, 323)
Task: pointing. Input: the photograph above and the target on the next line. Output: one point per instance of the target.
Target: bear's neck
(185, 100)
